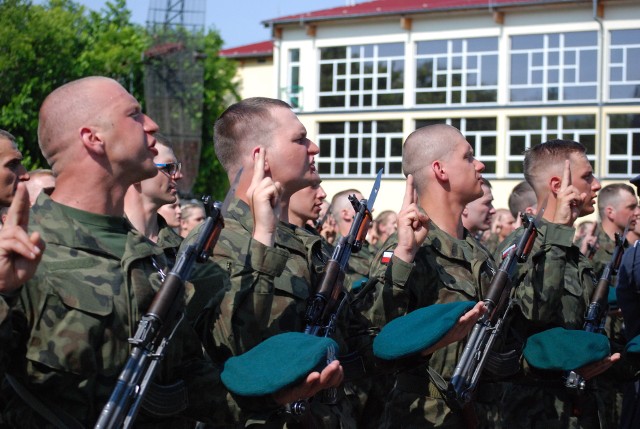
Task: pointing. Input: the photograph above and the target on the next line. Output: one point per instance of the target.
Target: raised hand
(413, 225)
(568, 200)
(264, 200)
(20, 253)
(331, 376)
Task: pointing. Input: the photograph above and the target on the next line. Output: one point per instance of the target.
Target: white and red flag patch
(386, 256)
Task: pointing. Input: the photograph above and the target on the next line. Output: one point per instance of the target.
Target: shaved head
(426, 145)
(66, 110)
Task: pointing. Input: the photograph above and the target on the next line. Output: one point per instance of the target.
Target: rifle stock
(156, 328)
(485, 332)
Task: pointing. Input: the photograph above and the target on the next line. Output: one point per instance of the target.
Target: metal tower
(174, 76)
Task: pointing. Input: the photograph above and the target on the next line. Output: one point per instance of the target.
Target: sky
(239, 21)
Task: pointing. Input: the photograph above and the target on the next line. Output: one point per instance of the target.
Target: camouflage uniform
(445, 270)
(552, 289)
(612, 384)
(81, 307)
(269, 300)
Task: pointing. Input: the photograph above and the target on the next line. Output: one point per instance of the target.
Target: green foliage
(220, 91)
(45, 46)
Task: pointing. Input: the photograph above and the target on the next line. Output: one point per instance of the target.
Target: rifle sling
(60, 419)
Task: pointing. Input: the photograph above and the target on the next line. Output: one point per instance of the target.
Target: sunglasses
(170, 168)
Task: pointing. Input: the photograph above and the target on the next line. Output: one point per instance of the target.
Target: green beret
(418, 330)
(565, 349)
(633, 346)
(357, 284)
(276, 363)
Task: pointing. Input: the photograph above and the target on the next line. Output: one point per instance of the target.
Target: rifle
(487, 329)
(157, 327)
(596, 315)
(324, 308)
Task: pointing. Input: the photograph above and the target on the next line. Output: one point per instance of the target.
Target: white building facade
(508, 74)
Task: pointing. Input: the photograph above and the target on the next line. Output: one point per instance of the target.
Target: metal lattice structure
(174, 76)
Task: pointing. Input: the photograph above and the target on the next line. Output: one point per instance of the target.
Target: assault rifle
(325, 306)
(331, 297)
(157, 327)
(487, 329)
(597, 312)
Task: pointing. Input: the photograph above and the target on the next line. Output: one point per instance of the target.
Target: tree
(219, 92)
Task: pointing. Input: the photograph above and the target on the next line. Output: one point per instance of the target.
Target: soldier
(385, 224)
(477, 215)
(343, 213)
(617, 208)
(11, 169)
(98, 275)
(264, 140)
(416, 269)
(554, 288)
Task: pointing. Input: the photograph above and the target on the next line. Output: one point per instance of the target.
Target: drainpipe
(601, 83)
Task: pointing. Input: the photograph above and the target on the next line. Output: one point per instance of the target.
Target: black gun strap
(60, 419)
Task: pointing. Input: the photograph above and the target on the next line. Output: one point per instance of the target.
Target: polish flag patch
(386, 256)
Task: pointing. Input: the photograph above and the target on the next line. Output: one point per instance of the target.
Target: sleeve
(252, 268)
(628, 293)
(391, 295)
(540, 282)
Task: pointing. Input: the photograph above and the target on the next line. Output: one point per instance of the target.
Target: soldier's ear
(438, 169)
(555, 183)
(92, 140)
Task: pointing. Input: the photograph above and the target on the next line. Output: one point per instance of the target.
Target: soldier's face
(480, 212)
(626, 210)
(290, 154)
(307, 202)
(127, 133)
(465, 171)
(11, 171)
(583, 179)
(162, 189)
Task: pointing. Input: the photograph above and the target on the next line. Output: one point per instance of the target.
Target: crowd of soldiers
(81, 266)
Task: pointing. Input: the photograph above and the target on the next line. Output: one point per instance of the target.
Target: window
(362, 76)
(480, 133)
(527, 131)
(457, 71)
(554, 67)
(360, 149)
(624, 65)
(623, 146)
(293, 90)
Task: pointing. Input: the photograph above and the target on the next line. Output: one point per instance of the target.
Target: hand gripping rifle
(597, 312)
(487, 329)
(331, 297)
(156, 328)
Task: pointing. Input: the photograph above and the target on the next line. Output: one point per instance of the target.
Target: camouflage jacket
(554, 287)
(81, 307)
(268, 295)
(445, 269)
